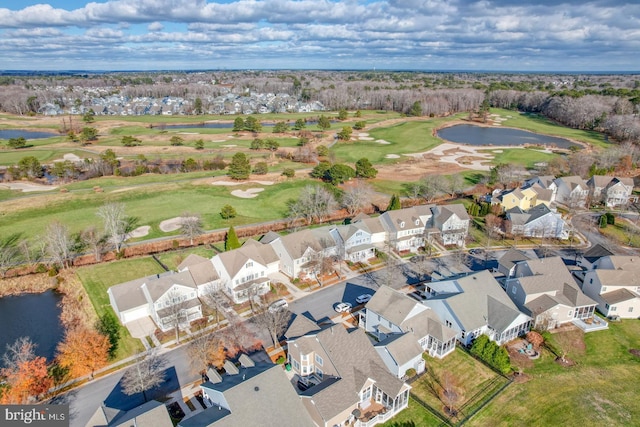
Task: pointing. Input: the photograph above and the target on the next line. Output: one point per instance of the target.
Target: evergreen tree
(238, 124)
(324, 123)
(239, 168)
(477, 349)
(501, 360)
(231, 240)
(394, 203)
(108, 325)
(364, 169)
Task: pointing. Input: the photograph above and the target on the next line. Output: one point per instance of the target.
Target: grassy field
(623, 232)
(153, 204)
(174, 258)
(518, 156)
(600, 389)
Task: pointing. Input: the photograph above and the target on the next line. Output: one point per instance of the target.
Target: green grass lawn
(520, 156)
(540, 124)
(96, 279)
(174, 258)
(154, 203)
(601, 389)
(622, 232)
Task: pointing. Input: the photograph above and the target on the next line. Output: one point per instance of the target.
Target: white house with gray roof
(611, 191)
(545, 290)
(405, 329)
(538, 221)
(347, 377)
(614, 283)
(302, 251)
(161, 297)
(353, 241)
(571, 191)
(245, 271)
(474, 305)
(405, 229)
(452, 221)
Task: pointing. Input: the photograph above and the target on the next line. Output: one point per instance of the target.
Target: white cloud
(418, 33)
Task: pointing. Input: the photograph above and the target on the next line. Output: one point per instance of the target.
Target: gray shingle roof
(390, 304)
(234, 260)
(618, 295)
(511, 257)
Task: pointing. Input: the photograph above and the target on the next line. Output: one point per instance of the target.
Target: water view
(26, 134)
(32, 315)
(480, 135)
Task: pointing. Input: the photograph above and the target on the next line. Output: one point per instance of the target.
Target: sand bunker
(365, 138)
(27, 187)
(138, 232)
(229, 145)
(249, 193)
(382, 141)
(232, 183)
(392, 156)
(172, 224)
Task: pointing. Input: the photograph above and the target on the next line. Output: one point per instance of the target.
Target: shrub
(288, 172)
(261, 168)
(410, 373)
(280, 360)
(227, 212)
(611, 218)
(41, 268)
(53, 271)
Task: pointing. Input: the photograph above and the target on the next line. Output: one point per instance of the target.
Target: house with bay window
(348, 383)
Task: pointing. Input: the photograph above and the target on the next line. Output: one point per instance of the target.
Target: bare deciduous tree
(22, 350)
(204, 351)
(357, 197)
(430, 186)
(95, 241)
(314, 204)
(145, 375)
(275, 322)
(191, 225)
(10, 254)
(214, 298)
(176, 312)
(59, 245)
(116, 223)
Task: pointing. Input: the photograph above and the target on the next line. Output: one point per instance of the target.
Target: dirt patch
(566, 362)
(635, 352)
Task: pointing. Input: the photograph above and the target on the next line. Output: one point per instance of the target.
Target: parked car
(476, 251)
(343, 307)
(278, 305)
(363, 298)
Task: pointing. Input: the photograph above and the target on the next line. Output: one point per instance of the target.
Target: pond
(481, 135)
(32, 315)
(227, 125)
(26, 134)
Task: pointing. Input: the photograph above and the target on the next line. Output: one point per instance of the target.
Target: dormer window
(401, 224)
(417, 222)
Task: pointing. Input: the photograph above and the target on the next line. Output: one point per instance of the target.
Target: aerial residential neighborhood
(240, 248)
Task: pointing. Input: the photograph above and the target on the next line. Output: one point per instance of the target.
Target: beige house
(545, 289)
(614, 283)
(611, 191)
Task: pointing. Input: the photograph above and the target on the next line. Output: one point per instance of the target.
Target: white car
(363, 298)
(280, 304)
(343, 307)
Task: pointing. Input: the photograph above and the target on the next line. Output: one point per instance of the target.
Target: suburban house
(572, 191)
(610, 190)
(348, 383)
(474, 305)
(245, 271)
(614, 283)
(149, 414)
(251, 394)
(591, 255)
(405, 229)
(354, 241)
(545, 290)
(538, 221)
(377, 231)
(202, 271)
(405, 328)
(163, 297)
(507, 262)
(533, 192)
(302, 251)
(452, 221)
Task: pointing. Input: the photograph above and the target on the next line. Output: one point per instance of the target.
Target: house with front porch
(614, 283)
(545, 290)
(611, 191)
(348, 383)
(163, 297)
(405, 229)
(452, 221)
(303, 251)
(405, 329)
(353, 242)
(244, 272)
(474, 305)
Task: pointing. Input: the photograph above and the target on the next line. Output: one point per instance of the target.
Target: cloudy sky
(500, 35)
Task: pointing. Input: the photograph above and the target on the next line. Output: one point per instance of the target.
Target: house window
(319, 372)
(296, 365)
(193, 294)
(613, 308)
(630, 309)
(402, 224)
(570, 313)
(249, 264)
(462, 334)
(304, 357)
(448, 324)
(319, 359)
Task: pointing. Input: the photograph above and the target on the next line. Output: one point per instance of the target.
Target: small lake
(26, 134)
(32, 315)
(481, 135)
(227, 125)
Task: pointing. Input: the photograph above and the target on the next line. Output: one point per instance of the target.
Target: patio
(591, 324)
